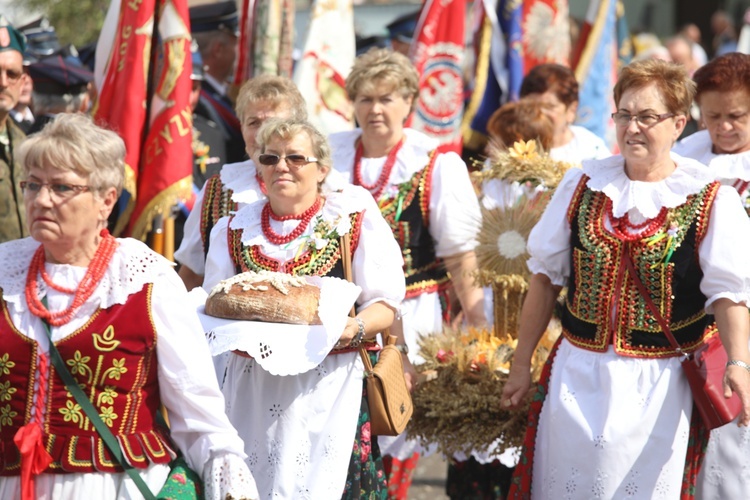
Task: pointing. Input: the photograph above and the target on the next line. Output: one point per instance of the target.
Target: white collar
(725, 167)
(412, 157)
(242, 180)
(335, 211)
(608, 176)
(132, 266)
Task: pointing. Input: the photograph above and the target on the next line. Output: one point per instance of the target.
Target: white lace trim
(228, 477)
(132, 266)
(647, 198)
(412, 157)
(336, 210)
(241, 179)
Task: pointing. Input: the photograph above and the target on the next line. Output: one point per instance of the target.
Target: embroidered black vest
(667, 266)
(217, 203)
(408, 214)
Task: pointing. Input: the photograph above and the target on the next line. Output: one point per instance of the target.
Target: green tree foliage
(76, 21)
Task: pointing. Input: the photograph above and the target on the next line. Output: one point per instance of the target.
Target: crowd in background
(261, 173)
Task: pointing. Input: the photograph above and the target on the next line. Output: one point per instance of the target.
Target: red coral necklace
(279, 239)
(377, 188)
(624, 229)
(94, 274)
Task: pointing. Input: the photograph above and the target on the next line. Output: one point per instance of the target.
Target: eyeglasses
(292, 161)
(644, 119)
(12, 75)
(57, 190)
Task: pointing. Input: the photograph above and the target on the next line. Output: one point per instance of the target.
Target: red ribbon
(34, 457)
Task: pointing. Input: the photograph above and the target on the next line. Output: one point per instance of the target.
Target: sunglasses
(297, 161)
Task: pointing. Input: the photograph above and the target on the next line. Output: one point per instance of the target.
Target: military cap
(221, 16)
(402, 28)
(56, 76)
(41, 38)
(11, 38)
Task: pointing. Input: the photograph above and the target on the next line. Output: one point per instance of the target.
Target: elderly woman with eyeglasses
(115, 312)
(308, 435)
(614, 389)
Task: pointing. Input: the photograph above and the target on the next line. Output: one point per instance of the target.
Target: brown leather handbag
(704, 369)
(387, 395)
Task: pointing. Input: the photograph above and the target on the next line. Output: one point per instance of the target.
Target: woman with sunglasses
(308, 435)
(115, 312)
(639, 240)
(429, 202)
(723, 96)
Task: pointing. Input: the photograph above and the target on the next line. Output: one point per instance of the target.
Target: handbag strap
(346, 261)
(83, 401)
(649, 302)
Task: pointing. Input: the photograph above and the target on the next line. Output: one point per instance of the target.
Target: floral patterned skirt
(366, 478)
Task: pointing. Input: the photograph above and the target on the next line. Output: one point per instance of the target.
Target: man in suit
(214, 28)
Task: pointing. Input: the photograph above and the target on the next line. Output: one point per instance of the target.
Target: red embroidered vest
(113, 357)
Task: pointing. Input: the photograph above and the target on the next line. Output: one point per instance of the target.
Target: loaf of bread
(265, 296)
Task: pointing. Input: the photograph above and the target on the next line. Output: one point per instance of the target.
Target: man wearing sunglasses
(12, 216)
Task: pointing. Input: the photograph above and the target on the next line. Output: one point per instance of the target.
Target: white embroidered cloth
(283, 349)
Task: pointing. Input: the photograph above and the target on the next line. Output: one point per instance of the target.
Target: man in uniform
(214, 28)
(60, 86)
(12, 216)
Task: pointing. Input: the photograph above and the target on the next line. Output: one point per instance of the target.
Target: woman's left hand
(350, 331)
(737, 380)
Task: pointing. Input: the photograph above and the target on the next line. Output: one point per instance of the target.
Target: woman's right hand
(517, 386)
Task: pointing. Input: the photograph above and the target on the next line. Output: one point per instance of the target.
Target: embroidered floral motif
(6, 364)
(108, 415)
(7, 415)
(72, 413)
(118, 368)
(78, 365)
(107, 396)
(6, 391)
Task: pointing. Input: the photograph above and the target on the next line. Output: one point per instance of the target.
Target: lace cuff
(226, 477)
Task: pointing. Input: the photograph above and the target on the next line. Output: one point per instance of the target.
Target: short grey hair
(288, 128)
(73, 142)
(277, 90)
(53, 103)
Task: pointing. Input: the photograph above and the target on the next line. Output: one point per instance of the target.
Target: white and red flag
(438, 54)
(327, 58)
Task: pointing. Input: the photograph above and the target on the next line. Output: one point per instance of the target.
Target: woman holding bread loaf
(308, 435)
(114, 312)
(429, 202)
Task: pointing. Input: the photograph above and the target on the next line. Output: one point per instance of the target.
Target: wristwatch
(403, 348)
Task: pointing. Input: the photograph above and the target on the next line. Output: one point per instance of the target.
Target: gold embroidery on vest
(106, 341)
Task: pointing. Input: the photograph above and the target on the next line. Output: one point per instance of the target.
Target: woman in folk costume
(115, 312)
(485, 473)
(261, 98)
(426, 197)
(613, 389)
(555, 86)
(308, 435)
(723, 95)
